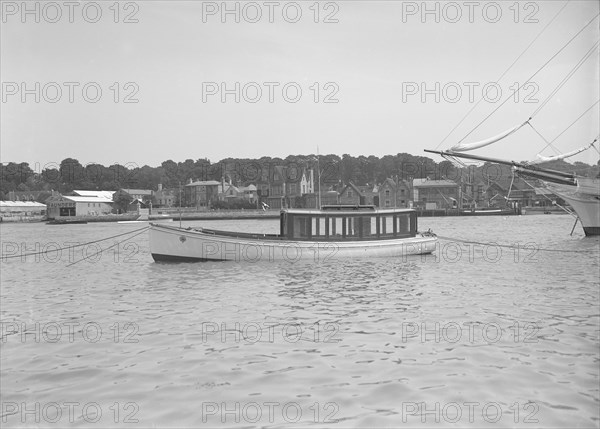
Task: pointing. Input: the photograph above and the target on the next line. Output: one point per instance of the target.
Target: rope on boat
(60, 249)
(531, 77)
(110, 247)
(503, 74)
(510, 246)
(552, 201)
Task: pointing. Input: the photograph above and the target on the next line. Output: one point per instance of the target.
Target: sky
(147, 81)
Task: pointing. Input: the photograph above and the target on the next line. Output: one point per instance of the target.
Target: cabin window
(403, 227)
(301, 227)
(318, 227)
(355, 228)
(387, 225)
(367, 227)
(335, 228)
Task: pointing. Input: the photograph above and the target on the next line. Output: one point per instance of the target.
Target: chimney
(160, 186)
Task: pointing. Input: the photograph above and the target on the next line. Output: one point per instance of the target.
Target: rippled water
(471, 336)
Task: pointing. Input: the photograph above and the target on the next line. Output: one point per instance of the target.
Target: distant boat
(487, 212)
(317, 235)
(160, 217)
(65, 222)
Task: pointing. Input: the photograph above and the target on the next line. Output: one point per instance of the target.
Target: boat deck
(235, 234)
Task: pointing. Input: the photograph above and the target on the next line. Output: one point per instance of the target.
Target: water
(473, 336)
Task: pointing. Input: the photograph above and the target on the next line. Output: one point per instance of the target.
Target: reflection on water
(460, 338)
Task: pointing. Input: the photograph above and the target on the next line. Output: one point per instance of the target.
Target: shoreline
(247, 214)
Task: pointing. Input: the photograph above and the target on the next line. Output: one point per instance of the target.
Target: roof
(353, 186)
(204, 183)
(347, 211)
(30, 204)
(137, 191)
(78, 199)
(427, 183)
(103, 194)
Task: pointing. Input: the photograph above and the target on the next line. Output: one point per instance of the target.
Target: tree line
(332, 170)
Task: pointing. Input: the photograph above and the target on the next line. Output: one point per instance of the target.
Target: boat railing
(235, 234)
(344, 207)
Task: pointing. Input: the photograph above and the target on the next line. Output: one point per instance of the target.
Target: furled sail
(558, 157)
(456, 162)
(470, 146)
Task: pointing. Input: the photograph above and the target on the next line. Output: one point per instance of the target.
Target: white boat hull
(585, 203)
(168, 243)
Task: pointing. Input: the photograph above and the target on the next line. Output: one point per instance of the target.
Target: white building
(99, 194)
(60, 205)
(21, 211)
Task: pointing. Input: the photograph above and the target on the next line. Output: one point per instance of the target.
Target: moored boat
(489, 212)
(582, 193)
(317, 235)
(66, 222)
(585, 200)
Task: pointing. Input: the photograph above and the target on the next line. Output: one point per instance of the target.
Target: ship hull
(172, 244)
(585, 204)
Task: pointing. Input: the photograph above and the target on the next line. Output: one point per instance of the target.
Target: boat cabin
(348, 223)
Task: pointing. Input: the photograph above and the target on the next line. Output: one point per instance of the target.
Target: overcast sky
(373, 58)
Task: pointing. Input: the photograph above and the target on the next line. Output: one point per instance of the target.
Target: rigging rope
(549, 199)
(567, 77)
(109, 247)
(503, 74)
(531, 77)
(60, 249)
(544, 138)
(572, 123)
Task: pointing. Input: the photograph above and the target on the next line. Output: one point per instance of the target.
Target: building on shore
(62, 205)
(22, 211)
(327, 198)
(351, 194)
(283, 187)
(436, 194)
(201, 194)
(98, 194)
(392, 193)
(143, 195)
(165, 197)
